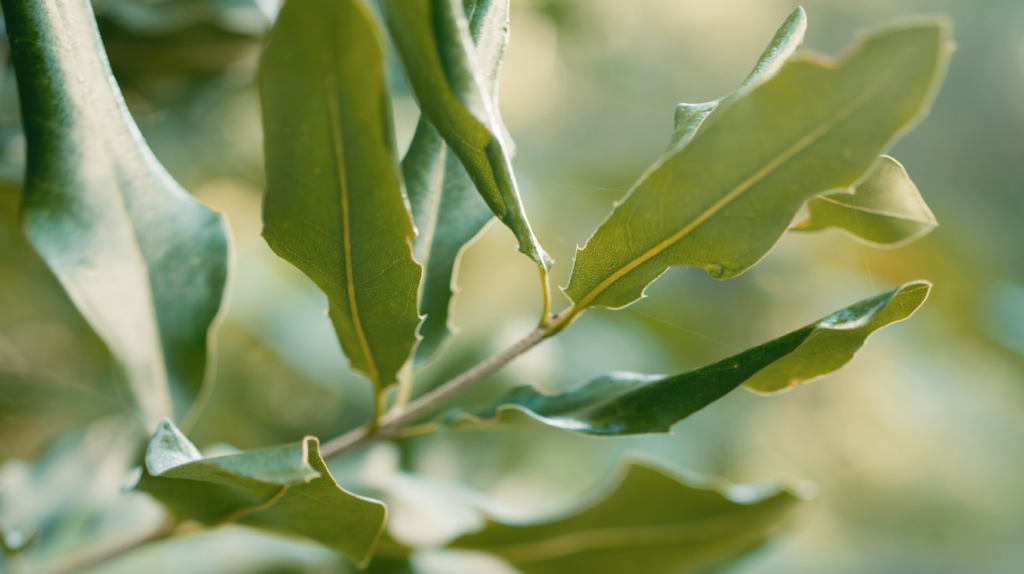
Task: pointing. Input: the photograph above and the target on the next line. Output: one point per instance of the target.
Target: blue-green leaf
(144, 262)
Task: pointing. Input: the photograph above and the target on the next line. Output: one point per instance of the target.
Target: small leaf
(286, 488)
(721, 202)
(885, 210)
(456, 85)
(334, 205)
(649, 521)
(692, 117)
(628, 403)
(144, 262)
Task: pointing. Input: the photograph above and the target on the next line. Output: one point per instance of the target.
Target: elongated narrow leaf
(456, 87)
(692, 117)
(448, 211)
(628, 403)
(144, 262)
(286, 488)
(885, 210)
(334, 205)
(650, 522)
(722, 201)
(449, 215)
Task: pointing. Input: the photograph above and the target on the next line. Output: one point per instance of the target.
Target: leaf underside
(650, 521)
(286, 488)
(145, 264)
(334, 205)
(722, 200)
(628, 403)
(885, 210)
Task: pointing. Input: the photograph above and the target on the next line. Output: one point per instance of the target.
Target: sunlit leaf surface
(724, 199)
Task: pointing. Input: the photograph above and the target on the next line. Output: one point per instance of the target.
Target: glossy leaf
(885, 210)
(456, 85)
(286, 488)
(144, 262)
(721, 202)
(629, 403)
(649, 521)
(334, 205)
(692, 117)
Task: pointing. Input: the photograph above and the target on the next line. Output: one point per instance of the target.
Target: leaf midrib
(788, 154)
(872, 211)
(331, 85)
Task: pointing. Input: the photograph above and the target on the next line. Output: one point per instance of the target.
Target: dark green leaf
(286, 488)
(628, 403)
(650, 522)
(334, 205)
(456, 86)
(721, 202)
(144, 262)
(885, 210)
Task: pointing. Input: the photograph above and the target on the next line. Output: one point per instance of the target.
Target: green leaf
(456, 86)
(144, 262)
(885, 210)
(628, 403)
(286, 488)
(649, 521)
(334, 205)
(721, 202)
(449, 215)
(692, 117)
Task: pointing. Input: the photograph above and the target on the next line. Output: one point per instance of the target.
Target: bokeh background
(916, 449)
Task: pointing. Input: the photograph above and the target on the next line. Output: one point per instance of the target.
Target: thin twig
(393, 422)
(88, 561)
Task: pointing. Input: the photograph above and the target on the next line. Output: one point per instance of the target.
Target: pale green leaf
(721, 202)
(456, 87)
(692, 117)
(628, 403)
(885, 210)
(647, 521)
(144, 262)
(334, 205)
(286, 488)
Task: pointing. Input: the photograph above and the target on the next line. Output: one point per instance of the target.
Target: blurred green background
(916, 448)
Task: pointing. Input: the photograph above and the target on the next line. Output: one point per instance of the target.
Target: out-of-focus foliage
(144, 262)
(916, 445)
